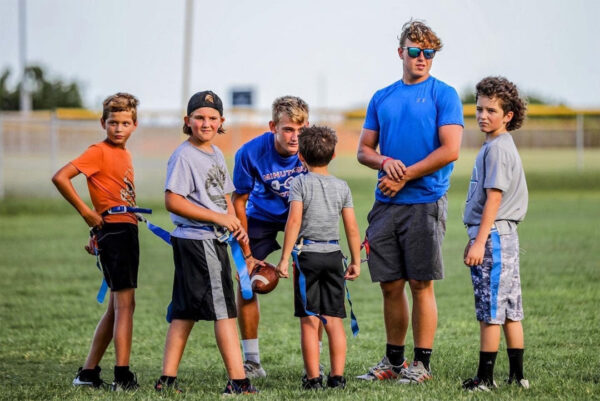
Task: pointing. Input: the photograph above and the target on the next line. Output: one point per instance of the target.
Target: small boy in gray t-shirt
(316, 202)
(496, 203)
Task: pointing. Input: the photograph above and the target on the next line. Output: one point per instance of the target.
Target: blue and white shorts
(496, 282)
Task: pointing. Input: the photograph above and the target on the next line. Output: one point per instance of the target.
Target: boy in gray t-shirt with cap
(496, 203)
(316, 201)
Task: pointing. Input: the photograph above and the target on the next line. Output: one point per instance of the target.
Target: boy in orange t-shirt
(109, 171)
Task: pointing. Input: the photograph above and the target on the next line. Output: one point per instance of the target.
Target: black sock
(485, 372)
(515, 360)
(168, 380)
(122, 373)
(423, 355)
(240, 382)
(395, 354)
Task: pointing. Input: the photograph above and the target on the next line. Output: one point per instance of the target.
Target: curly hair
(120, 101)
(292, 106)
(316, 144)
(417, 31)
(508, 94)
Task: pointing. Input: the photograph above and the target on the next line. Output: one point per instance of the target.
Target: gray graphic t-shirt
(323, 198)
(203, 179)
(498, 166)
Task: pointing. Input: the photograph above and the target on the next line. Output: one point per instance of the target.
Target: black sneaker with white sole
(88, 378)
(128, 383)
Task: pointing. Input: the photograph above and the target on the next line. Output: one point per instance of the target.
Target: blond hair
(120, 101)
(293, 107)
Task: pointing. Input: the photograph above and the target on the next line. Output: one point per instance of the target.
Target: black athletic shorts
(263, 237)
(119, 254)
(202, 287)
(325, 292)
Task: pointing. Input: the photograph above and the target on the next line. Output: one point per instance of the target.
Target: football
(264, 278)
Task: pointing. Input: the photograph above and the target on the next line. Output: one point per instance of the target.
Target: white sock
(250, 348)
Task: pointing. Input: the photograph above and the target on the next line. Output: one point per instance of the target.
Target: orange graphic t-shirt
(109, 173)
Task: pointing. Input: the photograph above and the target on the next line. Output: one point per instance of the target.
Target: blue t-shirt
(407, 118)
(266, 175)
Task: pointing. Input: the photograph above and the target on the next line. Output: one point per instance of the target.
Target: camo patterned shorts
(496, 282)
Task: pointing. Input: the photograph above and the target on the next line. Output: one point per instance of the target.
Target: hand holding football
(264, 278)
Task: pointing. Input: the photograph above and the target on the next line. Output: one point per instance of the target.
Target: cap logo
(209, 98)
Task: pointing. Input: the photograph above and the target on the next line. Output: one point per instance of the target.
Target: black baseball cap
(205, 99)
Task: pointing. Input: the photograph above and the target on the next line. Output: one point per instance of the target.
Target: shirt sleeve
(450, 110)
(179, 177)
(90, 161)
(498, 172)
(243, 172)
(347, 197)
(371, 119)
(296, 189)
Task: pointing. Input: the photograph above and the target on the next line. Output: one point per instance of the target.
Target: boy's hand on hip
(93, 219)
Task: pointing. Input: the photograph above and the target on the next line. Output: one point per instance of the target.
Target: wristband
(247, 256)
(384, 161)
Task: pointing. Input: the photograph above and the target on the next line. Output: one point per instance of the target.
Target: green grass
(48, 312)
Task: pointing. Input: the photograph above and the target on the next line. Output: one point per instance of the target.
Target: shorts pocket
(442, 206)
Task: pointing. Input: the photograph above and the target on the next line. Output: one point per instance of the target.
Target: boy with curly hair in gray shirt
(496, 203)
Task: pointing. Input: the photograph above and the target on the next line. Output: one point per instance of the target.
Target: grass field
(48, 311)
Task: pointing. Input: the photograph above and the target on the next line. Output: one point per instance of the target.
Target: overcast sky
(332, 53)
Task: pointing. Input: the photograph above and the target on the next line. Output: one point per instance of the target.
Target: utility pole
(187, 52)
(25, 96)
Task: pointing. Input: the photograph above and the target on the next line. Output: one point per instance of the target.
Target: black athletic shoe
(316, 383)
(231, 388)
(476, 384)
(336, 382)
(129, 384)
(167, 386)
(88, 378)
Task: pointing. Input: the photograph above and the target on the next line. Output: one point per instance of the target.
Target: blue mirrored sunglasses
(414, 52)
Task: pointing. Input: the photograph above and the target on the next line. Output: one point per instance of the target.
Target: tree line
(45, 94)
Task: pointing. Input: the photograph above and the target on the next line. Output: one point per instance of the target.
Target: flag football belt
(126, 209)
(223, 236)
(302, 289)
(311, 242)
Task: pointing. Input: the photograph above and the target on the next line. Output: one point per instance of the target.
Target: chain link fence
(34, 146)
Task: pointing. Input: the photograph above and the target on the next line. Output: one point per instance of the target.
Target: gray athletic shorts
(496, 282)
(406, 241)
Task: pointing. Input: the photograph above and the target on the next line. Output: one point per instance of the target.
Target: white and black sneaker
(88, 378)
(254, 370)
(476, 384)
(523, 383)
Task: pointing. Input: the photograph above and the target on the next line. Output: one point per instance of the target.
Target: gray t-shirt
(498, 166)
(201, 178)
(323, 197)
